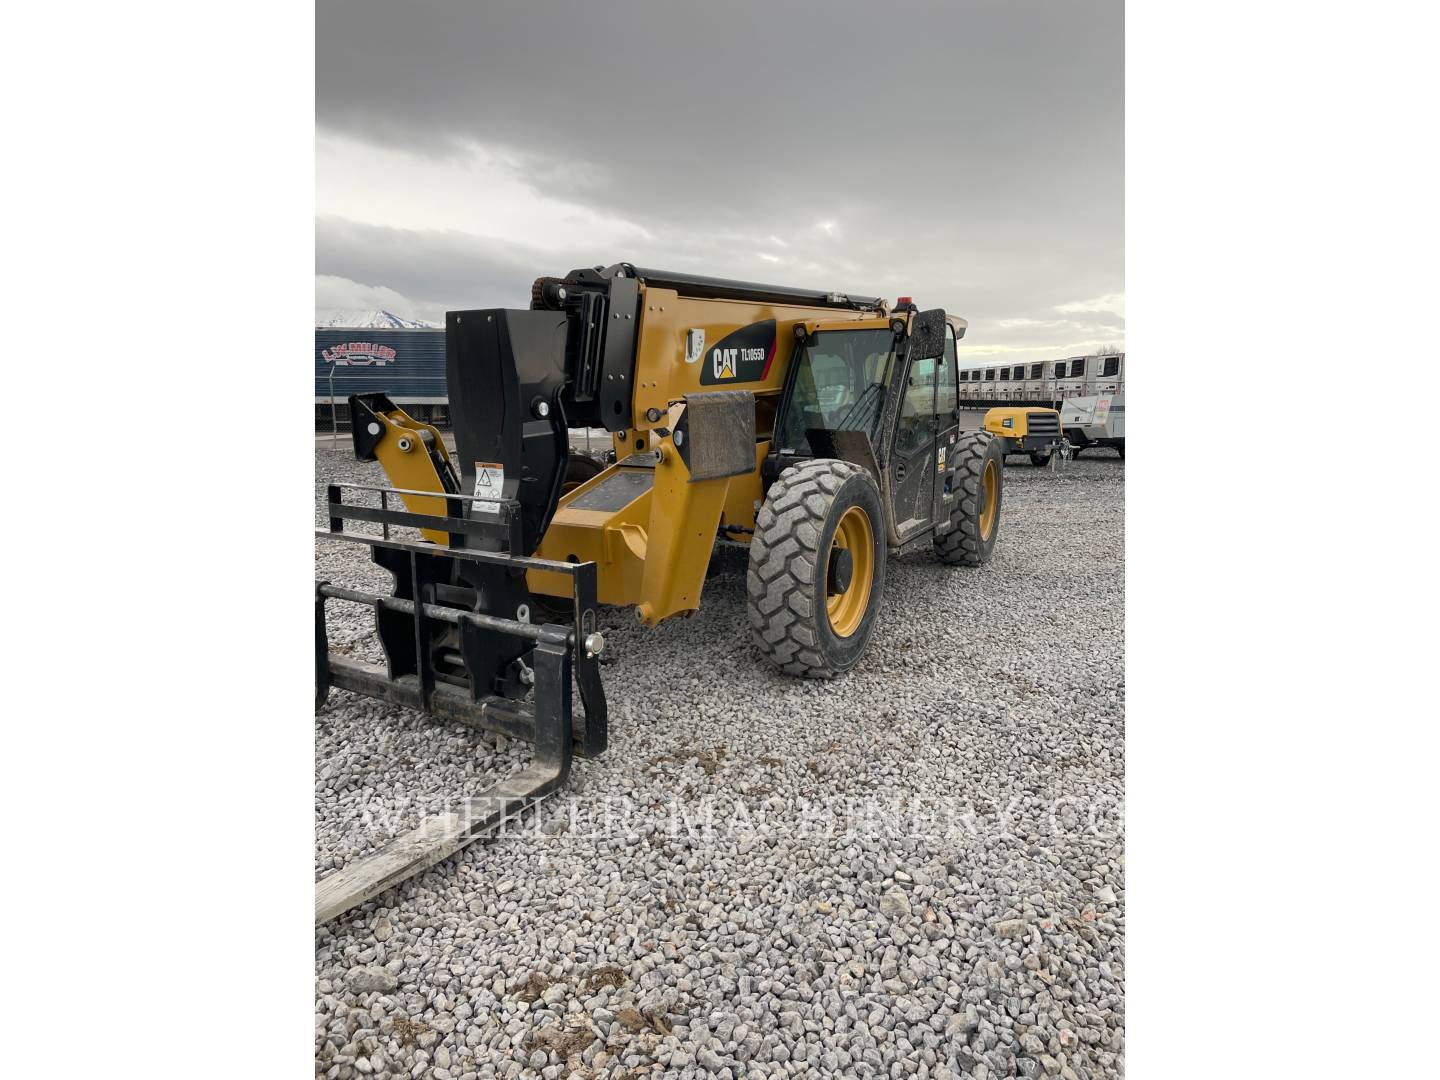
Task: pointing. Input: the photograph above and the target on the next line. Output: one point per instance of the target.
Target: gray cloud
(968, 153)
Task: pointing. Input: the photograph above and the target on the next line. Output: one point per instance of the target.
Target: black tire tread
(780, 585)
(961, 546)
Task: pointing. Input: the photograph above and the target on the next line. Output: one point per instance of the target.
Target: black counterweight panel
(716, 434)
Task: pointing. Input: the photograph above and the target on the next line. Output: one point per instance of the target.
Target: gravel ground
(915, 869)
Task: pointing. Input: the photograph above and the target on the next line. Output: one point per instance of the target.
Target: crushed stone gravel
(915, 869)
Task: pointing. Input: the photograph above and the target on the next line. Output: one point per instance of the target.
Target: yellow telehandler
(819, 428)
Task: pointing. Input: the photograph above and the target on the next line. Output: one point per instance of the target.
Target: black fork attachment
(459, 645)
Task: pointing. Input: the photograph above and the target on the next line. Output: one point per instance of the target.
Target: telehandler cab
(821, 429)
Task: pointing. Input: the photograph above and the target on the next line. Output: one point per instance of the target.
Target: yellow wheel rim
(846, 610)
(989, 499)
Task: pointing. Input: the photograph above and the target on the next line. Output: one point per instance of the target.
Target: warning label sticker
(489, 482)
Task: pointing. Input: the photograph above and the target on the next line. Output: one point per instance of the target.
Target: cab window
(840, 381)
(917, 411)
(930, 400)
(947, 399)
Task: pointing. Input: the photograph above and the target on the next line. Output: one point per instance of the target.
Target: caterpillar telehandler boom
(819, 428)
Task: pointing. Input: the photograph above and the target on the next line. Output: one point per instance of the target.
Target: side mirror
(927, 335)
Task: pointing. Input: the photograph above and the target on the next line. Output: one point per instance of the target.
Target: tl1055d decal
(744, 355)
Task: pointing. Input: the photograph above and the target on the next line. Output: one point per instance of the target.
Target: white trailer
(1088, 390)
(1093, 421)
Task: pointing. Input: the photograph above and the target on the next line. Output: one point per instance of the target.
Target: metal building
(406, 365)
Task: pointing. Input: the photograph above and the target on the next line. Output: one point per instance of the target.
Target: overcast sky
(969, 153)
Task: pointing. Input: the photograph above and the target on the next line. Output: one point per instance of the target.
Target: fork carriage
(447, 655)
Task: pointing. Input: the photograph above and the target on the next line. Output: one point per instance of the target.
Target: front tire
(979, 486)
(817, 568)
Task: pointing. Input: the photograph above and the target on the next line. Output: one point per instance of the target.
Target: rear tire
(979, 485)
(578, 469)
(807, 616)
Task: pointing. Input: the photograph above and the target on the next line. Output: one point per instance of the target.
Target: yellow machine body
(647, 524)
(652, 551)
(1018, 426)
(1026, 429)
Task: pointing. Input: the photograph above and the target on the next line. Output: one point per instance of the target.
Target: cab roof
(869, 322)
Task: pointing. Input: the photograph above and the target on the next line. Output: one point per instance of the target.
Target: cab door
(947, 428)
(912, 463)
(925, 432)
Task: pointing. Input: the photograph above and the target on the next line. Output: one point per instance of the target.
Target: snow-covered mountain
(370, 320)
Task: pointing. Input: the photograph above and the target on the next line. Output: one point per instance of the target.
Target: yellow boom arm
(412, 454)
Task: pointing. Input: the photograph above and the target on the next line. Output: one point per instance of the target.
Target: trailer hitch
(447, 663)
